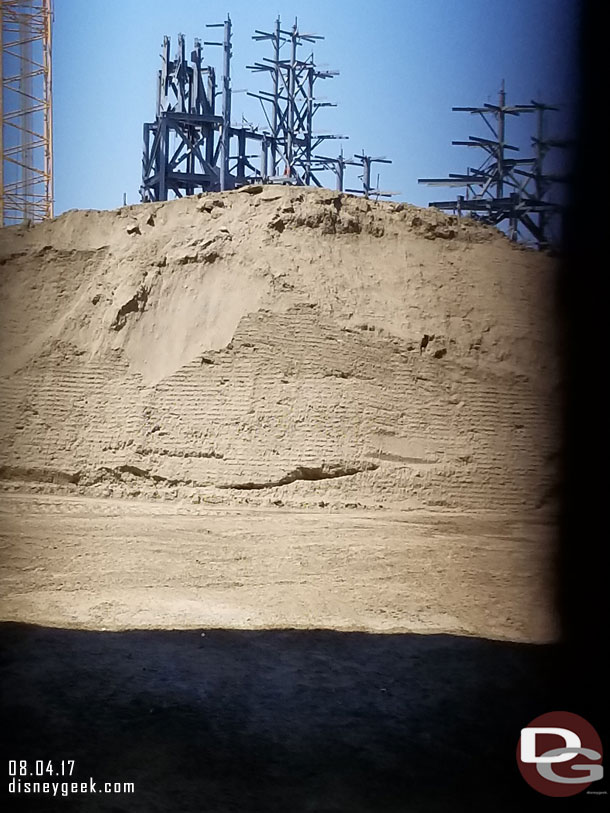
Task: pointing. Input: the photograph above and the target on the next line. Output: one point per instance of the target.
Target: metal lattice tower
(504, 188)
(236, 167)
(26, 111)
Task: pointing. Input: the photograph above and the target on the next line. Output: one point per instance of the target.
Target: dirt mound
(278, 345)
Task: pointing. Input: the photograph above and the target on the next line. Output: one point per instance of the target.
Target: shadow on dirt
(276, 720)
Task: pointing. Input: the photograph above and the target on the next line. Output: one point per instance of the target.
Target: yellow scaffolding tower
(26, 111)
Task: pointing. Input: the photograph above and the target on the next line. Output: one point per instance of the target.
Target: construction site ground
(268, 659)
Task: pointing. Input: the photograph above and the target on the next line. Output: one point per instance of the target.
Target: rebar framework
(190, 147)
(26, 111)
(503, 188)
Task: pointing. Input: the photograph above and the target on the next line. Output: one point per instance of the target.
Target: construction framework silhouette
(192, 146)
(26, 111)
(507, 188)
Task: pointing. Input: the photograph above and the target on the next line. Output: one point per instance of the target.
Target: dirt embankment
(288, 346)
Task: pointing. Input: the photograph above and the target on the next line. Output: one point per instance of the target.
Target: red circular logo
(560, 754)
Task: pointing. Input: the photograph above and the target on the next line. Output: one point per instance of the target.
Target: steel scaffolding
(26, 111)
(506, 189)
(190, 147)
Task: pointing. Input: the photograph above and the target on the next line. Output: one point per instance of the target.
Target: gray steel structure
(235, 169)
(290, 108)
(366, 162)
(180, 149)
(503, 188)
(190, 147)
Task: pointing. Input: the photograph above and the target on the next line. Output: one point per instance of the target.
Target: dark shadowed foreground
(275, 721)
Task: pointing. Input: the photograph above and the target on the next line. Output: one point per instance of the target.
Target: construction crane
(26, 111)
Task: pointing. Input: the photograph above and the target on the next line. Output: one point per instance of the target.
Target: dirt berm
(279, 345)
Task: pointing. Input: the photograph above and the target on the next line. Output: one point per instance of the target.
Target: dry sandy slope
(278, 344)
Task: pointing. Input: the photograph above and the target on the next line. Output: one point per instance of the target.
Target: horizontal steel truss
(26, 121)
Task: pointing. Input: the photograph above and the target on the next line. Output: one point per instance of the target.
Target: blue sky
(403, 64)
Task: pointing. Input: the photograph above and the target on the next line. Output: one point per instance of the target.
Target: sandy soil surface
(112, 565)
(269, 661)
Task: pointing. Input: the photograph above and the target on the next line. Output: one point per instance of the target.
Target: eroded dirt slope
(278, 345)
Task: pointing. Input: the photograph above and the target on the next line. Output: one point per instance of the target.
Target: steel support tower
(505, 189)
(180, 151)
(191, 147)
(26, 111)
(290, 107)
(236, 167)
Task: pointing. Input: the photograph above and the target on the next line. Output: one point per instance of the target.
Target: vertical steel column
(211, 96)
(340, 172)
(366, 180)
(276, 89)
(501, 134)
(539, 166)
(165, 58)
(311, 78)
(225, 135)
(145, 147)
(162, 162)
(513, 223)
(241, 156)
(181, 73)
(264, 159)
(190, 85)
(292, 70)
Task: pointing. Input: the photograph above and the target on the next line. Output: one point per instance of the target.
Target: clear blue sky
(403, 64)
